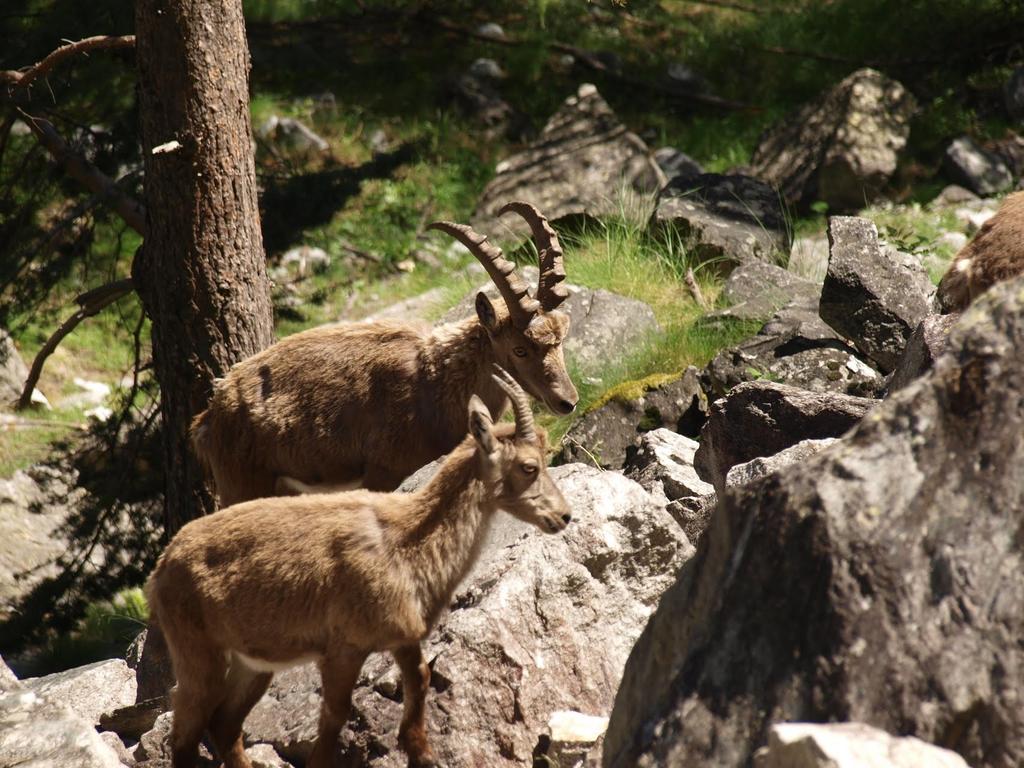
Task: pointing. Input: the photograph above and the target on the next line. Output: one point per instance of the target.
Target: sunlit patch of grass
(618, 255)
(25, 445)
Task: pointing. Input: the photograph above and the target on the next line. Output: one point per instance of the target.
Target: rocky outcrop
(663, 465)
(848, 745)
(925, 345)
(581, 159)
(841, 149)
(971, 165)
(760, 418)
(542, 624)
(794, 347)
(873, 296)
(38, 730)
(725, 220)
(90, 691)
(606, 434)
(878, 581)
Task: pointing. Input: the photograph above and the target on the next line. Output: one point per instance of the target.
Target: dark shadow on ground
(291, 204)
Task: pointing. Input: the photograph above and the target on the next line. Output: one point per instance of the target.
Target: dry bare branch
(20, 80)
(698, 296)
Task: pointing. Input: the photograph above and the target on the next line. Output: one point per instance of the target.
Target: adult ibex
(995, 254)
(369, 403)
(334, 577)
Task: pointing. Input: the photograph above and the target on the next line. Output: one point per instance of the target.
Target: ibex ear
(481, 424)
(485, 311)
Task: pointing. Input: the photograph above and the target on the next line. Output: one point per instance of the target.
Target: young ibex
(995, 254)
(333, 577)
(369, 403)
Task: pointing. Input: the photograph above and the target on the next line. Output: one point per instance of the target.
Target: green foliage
(104, 631)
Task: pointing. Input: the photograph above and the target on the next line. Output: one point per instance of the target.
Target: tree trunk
(201, 272)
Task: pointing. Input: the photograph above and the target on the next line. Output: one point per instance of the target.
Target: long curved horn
(521, 306)
(549, 252)
(520, 405)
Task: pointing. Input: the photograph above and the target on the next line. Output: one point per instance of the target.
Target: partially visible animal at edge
(275, 582)
(995, 254)
(366, 404)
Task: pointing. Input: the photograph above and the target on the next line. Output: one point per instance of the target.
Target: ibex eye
(529, 468)
(520, 351)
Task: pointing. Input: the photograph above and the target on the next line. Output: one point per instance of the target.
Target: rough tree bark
(201, 272)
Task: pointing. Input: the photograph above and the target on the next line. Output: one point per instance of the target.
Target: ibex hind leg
(243, 689)
(200, 671)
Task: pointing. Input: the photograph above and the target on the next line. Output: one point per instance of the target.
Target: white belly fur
(262, 665)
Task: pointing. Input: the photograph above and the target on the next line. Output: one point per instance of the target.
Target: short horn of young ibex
(369, 403)
(995, 254)
(334, 577)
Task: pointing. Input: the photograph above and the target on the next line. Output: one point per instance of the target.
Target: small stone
(489, 68)
(491, 30)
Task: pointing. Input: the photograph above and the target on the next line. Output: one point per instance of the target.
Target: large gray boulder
(607, 433)
(848, 745)
(725, 220)
(879, 581)
(761, 418)
(542, 624)
(40, 731)
(797, 348)
(841, 149)
(971, 165)
(578, 164)
(874, 296)
(90, 691)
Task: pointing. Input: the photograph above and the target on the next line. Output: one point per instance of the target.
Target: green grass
(21, 448)
(618, 255)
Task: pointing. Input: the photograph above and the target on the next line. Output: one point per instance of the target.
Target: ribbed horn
(520, 405)
(549, 252)
(521, 306)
